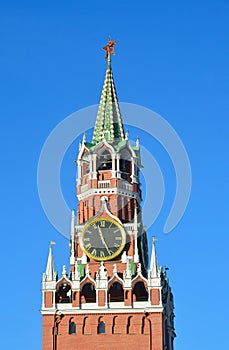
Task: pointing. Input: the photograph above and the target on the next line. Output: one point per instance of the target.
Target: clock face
(103, 239)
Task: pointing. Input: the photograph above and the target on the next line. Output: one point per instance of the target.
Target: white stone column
(135, 234)
(134, 175)
(94, 170)
(113, 165)
(90, 166)
(79, 165)
(118, 165)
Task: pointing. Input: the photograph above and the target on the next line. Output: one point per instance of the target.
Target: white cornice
(67, 309)
(110, 190)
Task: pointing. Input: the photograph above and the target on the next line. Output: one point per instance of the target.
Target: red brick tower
(109, 299)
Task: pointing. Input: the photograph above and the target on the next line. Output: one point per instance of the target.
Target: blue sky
(172, 57)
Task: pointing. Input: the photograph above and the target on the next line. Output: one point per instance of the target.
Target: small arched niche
(129, 324)
(101, 327)
(72, 326)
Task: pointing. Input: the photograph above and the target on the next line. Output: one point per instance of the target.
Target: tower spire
(153, 264)
(109, 121)
(50, 272)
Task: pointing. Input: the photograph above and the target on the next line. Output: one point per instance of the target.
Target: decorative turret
(154, 273)
(49, 281)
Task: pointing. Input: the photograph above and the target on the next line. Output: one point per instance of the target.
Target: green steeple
(109, 121)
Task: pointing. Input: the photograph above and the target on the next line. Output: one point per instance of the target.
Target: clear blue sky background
(172, 57)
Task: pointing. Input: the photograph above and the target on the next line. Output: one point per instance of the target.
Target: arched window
(63, 295)
(85, 164)
(101, 328)
(125, 164)
(116, 292)
(105, 161)
(72, 327)
(88, 293)
(140, 292)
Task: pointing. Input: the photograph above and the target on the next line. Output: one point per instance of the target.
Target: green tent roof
(109, 120)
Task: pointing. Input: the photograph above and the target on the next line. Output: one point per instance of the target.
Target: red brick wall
(123, 331)
(155, 296)
(101, 297)
(47, 328)
(48, 299)
(120, 206)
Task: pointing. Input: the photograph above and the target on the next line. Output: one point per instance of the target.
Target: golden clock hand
(103, 240)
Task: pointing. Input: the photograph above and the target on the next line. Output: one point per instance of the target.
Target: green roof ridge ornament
(108, 124)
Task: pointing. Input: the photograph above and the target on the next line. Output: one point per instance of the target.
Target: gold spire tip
(52, 243)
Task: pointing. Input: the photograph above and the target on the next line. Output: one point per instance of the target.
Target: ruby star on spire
(109, 48)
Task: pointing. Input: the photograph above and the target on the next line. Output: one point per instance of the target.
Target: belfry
(111, 296)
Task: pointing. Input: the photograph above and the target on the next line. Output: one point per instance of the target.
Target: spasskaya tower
(108, 297)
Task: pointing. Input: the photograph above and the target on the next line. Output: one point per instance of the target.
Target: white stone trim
(83, 147)
(115, 276)
(109, 190)
(104, 310)
(104, 144)
(87, 276)
(142, 278)
(64, 278)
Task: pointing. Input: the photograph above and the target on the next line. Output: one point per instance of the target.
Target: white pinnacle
(50, 272)
(87, 270)
(115, 269)
(153, 263)
(102, 270)
(72, 241)
(136, 255)
(64, 271)
(73, 222)
(137, 142)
